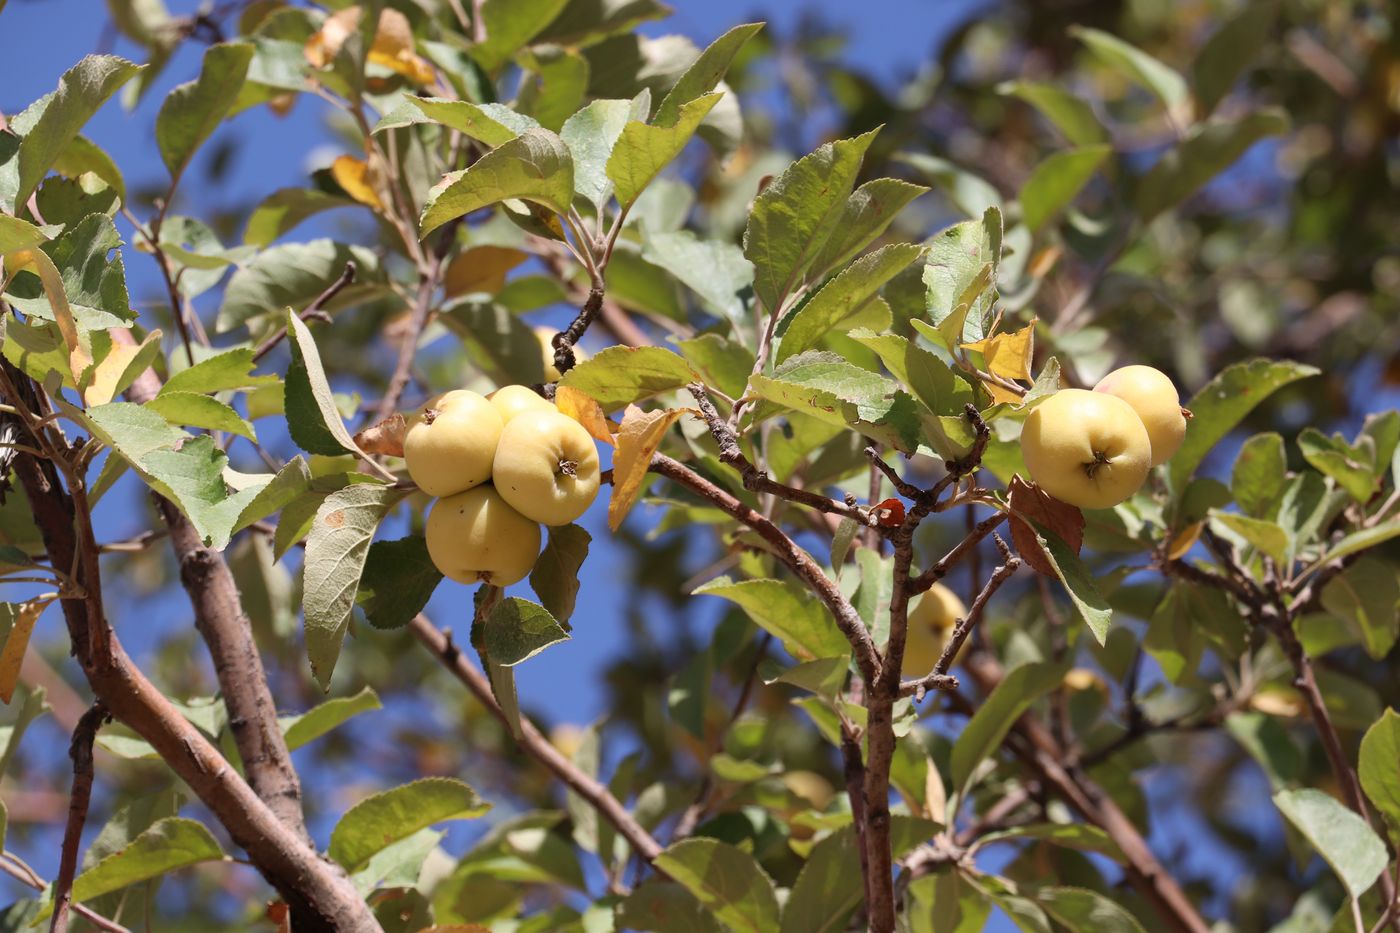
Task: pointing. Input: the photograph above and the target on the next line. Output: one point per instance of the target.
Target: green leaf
(509, 25)
(1071, 571)
(94, 284)
(322, 718)
(1023, 912)
(1259, 474)
(1367, 596)
(48, 125)
(1341, 837)
(715, 270)
(18, 234)
(1267, 740)
(1354, 468)
(1056, 182)
(971, 195)
(1268, 537)
(555, 577)
(984, 732)
(619, 376)
(796, 213)
(397, 865)
(933, 382)
(534, 166)
(192, 111)
(841, 545)
(187, 471)
(553, 85)
(830, 887)
(398, 580)
(381, 819)
(590, 135)
(706, 72)
(868, 212)
(1136, 65)
(824, 676)
(293, 275)
(1380, 778)
(282, 210)
(498, 340)
(830, 389)
(1083, 911)
(289, 483)
(31, 709)
(1363, 540)
(721, 363)
(336, 551)
(517, 630)
(1224, 402)
(1229, 52)
(800, 622)
(170, 844)
(1071, 114)
(959, 275)
(725, 879)
(492, 124)
(313, 420)
(843, 295)
(219, 373)
(944, 902)
(643, 150)
(1208, 150)
(200, 411)
(664, 907)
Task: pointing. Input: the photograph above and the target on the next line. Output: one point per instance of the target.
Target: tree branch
(534, 743)
(793, 557)
(222, 623)
(80, 751)
(315, 309)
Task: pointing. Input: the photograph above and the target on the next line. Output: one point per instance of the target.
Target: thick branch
(566, 339)
(536, 744)
(226, 630)
(319, 895)
(80, 751)
(793, 557)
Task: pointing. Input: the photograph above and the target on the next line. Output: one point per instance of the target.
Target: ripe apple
(512, 400)
(1155, 399)
(546, 467)
(476, 537)
(1089, 449)
(931, 621)
(451, 442)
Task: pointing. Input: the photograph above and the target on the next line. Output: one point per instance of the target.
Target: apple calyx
(430, 415)
(567, 468)
(1100, 460)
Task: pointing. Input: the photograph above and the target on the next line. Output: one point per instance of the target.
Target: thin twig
(313, 310)
(80, 751)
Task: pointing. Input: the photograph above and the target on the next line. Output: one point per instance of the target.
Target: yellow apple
(1157, 403)
(451, 441)
(1089, 449)
(931, 622)
(512, 400)
(476, 537)
(546, 467)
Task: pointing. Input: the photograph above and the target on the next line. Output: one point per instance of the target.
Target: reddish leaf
(1032, 502)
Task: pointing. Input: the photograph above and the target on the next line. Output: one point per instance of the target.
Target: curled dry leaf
(385, 438)
(1029, 501)
(889, 513)
(1007, 356)
(392, 47)
(581, 407)
(637, 440)
(359, 180)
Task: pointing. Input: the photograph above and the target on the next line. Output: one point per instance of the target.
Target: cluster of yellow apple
(1093, 449)
(501, 465)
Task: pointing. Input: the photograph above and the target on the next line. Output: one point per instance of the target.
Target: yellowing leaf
(1184, 539)
(107, 376)
(581, 407)
(393, 48)
(1007, 356)
(637, 440)
(1277, 701)
(12, 657)
(325, 43)
(481, 269)
(355, 177)
(79, 357)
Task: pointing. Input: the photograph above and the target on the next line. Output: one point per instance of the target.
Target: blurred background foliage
(1291, 252)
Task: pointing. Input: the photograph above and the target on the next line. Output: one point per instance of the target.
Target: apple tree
(975, 462)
